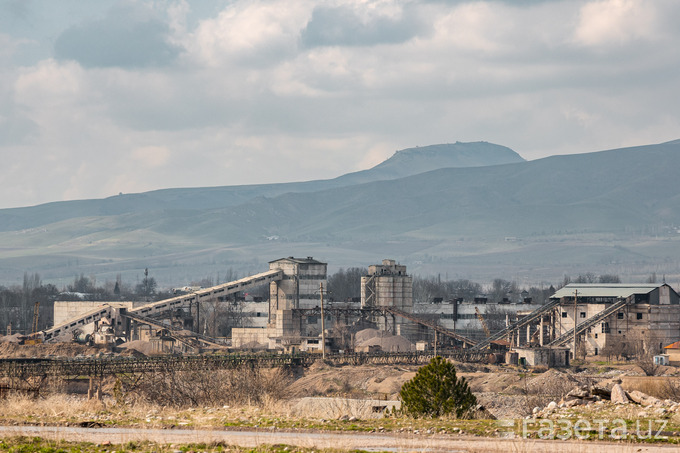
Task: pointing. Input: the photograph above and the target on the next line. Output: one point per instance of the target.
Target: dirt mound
(10, 338)
(366, 334)
(14, 350)
(140, 346)
(389, 385)
(490, 382)
(355, 381)
(391, 343)
(553, 383)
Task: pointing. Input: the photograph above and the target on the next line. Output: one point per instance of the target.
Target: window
(595, 336)
(638, 315)
(583, 314)
(564, 314)
(605, 327)
(619, 315)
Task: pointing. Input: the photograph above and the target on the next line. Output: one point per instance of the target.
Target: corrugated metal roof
(308, 260)
(618, 290)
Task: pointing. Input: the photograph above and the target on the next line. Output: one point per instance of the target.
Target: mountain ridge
(462, 154)
(614, 211)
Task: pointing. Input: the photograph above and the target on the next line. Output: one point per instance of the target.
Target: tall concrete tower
(299, 288)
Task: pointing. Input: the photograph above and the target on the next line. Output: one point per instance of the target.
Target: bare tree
(346, 284)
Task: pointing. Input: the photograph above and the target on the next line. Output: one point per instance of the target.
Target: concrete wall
(256, 314)
(300, 286)
(552, 357)
(466, 317)
(652, 326)
(249, 335)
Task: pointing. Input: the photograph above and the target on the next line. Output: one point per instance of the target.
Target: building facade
(618, 318)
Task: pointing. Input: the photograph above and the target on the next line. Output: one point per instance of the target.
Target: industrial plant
(300, 317)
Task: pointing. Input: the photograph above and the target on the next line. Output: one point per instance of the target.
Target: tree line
(19, 302)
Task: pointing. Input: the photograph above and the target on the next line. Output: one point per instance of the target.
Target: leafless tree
(242, 385)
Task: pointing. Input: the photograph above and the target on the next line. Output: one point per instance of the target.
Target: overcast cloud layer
(103, 97)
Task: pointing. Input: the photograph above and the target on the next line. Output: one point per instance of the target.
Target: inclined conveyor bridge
(157, 308)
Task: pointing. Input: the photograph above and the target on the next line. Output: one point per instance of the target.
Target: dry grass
(662, 387)
(182, 389)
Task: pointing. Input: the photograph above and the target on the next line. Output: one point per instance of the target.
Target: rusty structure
(30, 374)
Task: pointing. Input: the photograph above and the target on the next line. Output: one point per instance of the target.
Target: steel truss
(35, 370)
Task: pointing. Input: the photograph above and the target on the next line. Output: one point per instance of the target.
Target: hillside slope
(615, 211)
(404, 163)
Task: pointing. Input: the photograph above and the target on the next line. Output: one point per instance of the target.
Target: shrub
(435, 391)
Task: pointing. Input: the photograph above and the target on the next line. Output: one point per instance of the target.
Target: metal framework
(191, 339)
(568, 335)
(163, 306)
(514, 327)
(209, 293)
(432, 325)
(365, 312)
(36, 370)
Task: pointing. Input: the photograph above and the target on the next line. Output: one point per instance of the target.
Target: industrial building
(619, 318)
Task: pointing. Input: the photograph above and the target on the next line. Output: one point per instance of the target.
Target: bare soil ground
(15, 350)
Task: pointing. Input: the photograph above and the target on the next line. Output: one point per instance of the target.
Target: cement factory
(592, 318)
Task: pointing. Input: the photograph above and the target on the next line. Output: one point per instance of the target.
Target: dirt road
(345, 441)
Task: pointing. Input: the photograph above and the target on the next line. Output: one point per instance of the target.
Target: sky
(122, 96)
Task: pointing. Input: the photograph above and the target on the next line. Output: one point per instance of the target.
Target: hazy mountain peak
(459, 154)
(421, 159)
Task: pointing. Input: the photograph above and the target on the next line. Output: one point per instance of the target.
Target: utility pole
(323, 324)
(435, 343)
(575, 303)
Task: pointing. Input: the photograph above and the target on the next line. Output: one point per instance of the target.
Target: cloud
(129, 36)
(151, 156)
(344, 26)
(615, 22)
(144, 95)
(254, 33)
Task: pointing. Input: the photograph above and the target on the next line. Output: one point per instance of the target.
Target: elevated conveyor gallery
(163, 306)
(105, 311)
(208, 294)
(514, 327)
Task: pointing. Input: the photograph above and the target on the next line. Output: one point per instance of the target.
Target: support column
(540, 332)
(528, 334)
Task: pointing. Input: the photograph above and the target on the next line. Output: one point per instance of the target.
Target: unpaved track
(344, 441)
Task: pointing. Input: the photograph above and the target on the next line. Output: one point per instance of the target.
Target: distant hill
(404, 163)
(436, 209)
(413, 161)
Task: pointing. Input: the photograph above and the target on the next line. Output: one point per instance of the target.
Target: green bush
(435, 391)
